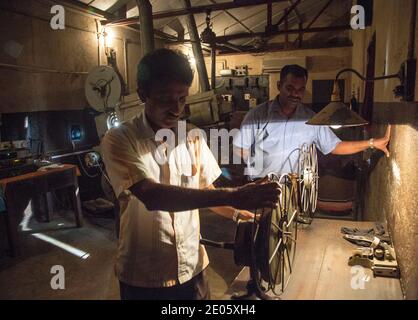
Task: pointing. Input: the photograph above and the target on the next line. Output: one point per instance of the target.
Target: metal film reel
(268, 244)
(308, 181)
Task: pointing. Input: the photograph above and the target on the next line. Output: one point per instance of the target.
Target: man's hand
(382, 143)
(351, 147)
(246, 215)
(256, 195)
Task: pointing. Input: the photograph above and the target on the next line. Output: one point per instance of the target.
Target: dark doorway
(321, 93)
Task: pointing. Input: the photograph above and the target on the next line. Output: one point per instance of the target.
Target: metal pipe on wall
(230, 46)
(125, 60)
(98, 26)
(213, 69)
(146, 26)
(197, 49)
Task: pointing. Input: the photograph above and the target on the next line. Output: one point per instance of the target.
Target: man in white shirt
(160, 187)
(274, 131)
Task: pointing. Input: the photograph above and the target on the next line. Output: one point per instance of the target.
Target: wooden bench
(34, 185)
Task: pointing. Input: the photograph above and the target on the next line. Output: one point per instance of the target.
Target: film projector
(267, 244)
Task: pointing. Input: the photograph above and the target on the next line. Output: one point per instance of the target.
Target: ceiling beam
(253, 27)
(194, 10)
(223, 39)
(85, 8)
(233, 17)
(272, 29)
(157, 33)
(297, 14)
(314, 19)
(273, 47)
(287, 11)
(230, 46)
(79, 6)
(118, 5)
(286, 27)
(269, 16)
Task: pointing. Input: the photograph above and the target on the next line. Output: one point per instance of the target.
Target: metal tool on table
(380, 257)
(15, 158)
(362, 257)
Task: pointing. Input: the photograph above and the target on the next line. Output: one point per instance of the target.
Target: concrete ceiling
(251, 19)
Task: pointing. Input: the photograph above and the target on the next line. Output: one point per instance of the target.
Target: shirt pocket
(181, 169)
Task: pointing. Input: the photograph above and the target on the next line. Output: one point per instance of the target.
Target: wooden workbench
(20, 189)
(321, 271)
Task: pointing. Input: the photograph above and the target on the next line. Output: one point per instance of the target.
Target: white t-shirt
(156, 248)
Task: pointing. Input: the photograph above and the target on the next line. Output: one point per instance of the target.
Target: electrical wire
(104, 174)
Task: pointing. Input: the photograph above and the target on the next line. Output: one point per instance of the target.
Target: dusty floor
(29, 275)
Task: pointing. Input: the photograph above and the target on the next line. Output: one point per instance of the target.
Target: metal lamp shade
(336, 113)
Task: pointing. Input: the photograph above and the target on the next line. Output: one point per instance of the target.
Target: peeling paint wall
(26, 38)
(392, 186)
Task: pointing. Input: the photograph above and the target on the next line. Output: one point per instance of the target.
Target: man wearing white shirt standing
(273, 132)
(160, 187)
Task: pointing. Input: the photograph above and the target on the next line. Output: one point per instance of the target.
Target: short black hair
(163, 66)
(294, 69)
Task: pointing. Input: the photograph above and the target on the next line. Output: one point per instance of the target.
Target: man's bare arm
(350, 147)
(158, 196)
(228, 211)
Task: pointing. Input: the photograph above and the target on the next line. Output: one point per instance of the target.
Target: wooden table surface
(4, 182)
(20, 190)
(321, 271)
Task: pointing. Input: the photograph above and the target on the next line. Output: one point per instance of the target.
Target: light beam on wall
(396, 171)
